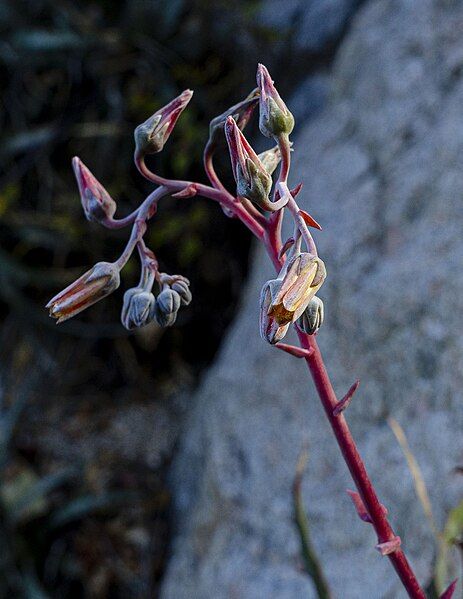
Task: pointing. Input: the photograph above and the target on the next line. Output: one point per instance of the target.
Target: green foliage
(451, 538)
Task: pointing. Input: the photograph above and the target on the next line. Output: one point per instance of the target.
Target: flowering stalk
(289, 299)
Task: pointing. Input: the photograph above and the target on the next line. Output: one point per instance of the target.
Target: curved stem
(225, 198)
(208, 161)
(144, 212)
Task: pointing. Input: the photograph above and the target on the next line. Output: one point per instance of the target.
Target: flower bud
(151, 135)
(95, 284)
(240, 112)
(312, 317)
(274, 117)
(270, 330)
(168, 300)
(301, 278)
(182, 287)
(164, 319)
(166, 307)
(98, 205)
(137, 309)
(252, 180)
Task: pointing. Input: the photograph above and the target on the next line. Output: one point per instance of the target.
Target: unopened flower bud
(182, 287)
(270, 330)
(240, 112)
(312, 317)
(95, 284)
(98, 205)
(166, 307)
(151, 135)
(274, 117)
(301, 278)
(252, 180)
(137, 309)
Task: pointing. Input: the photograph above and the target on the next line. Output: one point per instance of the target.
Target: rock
(311, 24)
(382, 169)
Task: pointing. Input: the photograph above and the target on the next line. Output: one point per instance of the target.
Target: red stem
(356, 466)
(351, 454)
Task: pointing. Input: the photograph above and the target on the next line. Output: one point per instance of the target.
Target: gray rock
(382, 169)
(311, 24)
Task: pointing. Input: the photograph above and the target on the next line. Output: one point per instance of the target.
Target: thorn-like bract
(345, 401)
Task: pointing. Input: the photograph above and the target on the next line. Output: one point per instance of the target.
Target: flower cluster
(259, 202)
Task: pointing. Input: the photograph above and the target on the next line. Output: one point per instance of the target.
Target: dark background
(82, 511)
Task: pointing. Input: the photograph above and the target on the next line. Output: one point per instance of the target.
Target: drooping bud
(95, 284)
(274, 118)
(137, 309)
(96, 201)
(240, 112)
(182, 287)
(301, 277)
(166, 307)
(270, 330)
(312, 317)
(151, 135)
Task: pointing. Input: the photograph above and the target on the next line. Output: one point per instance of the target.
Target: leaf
(452, 534)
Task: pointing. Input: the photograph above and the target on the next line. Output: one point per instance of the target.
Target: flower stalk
(289, 299)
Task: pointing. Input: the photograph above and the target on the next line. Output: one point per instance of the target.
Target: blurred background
(84, 512)
(145, 464)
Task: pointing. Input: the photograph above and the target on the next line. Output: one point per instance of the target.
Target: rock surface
(382, 168)
(312, 24)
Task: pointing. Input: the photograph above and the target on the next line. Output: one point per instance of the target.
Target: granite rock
(382, 169)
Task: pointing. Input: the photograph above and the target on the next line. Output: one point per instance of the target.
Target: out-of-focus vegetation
(88, 412)
(449, 541)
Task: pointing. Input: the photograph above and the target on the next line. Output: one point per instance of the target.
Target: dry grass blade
(417, 475)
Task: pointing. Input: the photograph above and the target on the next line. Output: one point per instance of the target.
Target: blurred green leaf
(29, 496)
(451, 536)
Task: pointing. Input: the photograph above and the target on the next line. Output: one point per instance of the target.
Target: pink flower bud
(240, 112)
(98, 205)
(252, 180)
(151, 135)
(274, 119)
(98, 282)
